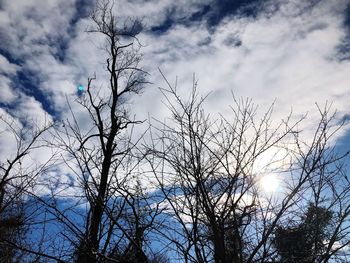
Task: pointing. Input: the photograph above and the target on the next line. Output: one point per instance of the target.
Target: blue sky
(296, 52)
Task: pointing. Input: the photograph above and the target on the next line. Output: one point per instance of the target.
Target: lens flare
(81, 88)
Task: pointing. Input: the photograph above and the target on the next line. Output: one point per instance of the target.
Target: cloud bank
(293, 51)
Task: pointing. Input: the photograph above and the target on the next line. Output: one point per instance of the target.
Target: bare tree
(208, 172)
(105, 157)
(324, 221)
(18, 176)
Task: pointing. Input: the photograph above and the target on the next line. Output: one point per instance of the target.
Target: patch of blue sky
(212, 14)
(27, 82)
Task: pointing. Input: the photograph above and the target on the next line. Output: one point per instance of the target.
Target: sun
(269, 183)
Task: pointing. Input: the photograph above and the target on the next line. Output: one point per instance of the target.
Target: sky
(294, 52)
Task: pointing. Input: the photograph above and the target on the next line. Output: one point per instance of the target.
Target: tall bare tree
(105, 157)
(208, 172)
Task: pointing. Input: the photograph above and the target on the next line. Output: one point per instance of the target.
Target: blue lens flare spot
(81, 88)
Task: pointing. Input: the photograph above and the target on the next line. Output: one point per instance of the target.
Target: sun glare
(269, 183)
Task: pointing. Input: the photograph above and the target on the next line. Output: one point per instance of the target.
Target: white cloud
(283, 55)
(31, 112)
(7, 94)
(287, 54)
(6, 67)
(7, 70)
